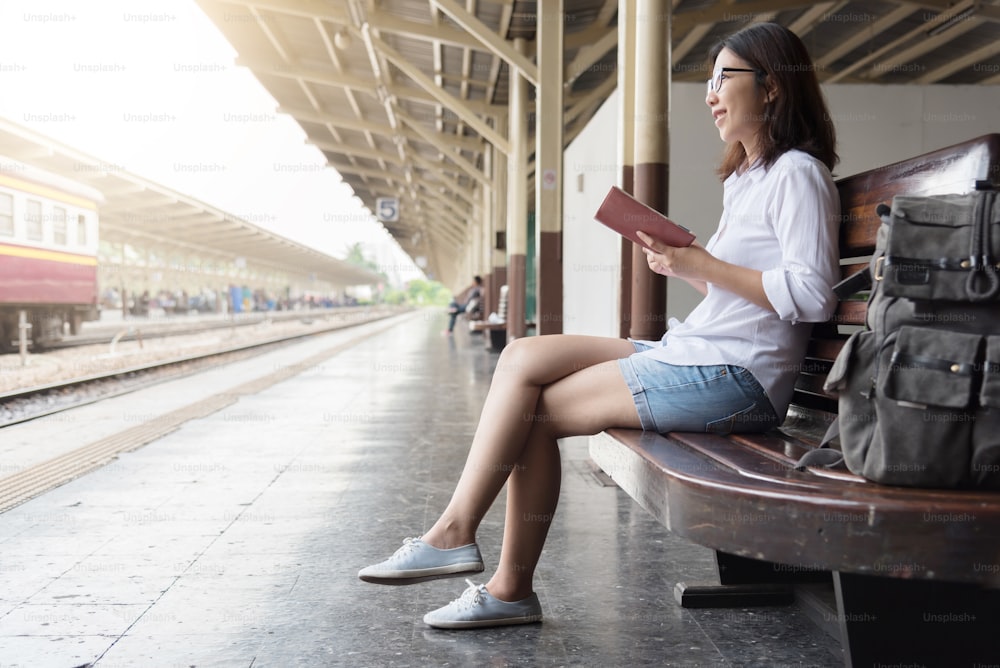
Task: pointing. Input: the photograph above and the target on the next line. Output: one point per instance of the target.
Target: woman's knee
(519, 357)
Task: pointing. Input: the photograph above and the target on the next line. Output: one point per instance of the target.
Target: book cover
(627, 215)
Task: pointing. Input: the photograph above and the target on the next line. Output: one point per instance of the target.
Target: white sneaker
(417, 561)
(477, 608)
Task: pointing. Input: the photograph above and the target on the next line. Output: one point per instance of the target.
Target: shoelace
(409, 545)
(474, 596)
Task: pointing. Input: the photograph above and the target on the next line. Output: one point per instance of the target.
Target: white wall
(590, 251)
(876, 125)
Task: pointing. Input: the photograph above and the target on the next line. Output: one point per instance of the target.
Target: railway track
(137, 330)
(29, 403)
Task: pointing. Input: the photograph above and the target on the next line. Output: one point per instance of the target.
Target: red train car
(48, 253)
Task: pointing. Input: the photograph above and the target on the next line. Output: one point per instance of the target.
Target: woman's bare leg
(583, 403)
(543, 388)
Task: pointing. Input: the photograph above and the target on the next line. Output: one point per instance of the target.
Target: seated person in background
(472, 305)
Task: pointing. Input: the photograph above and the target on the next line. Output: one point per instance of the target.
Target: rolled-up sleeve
(805, 213)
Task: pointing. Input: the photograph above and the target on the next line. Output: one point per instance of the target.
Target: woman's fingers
(648, 240)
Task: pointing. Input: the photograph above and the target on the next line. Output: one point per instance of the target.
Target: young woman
(730, 366)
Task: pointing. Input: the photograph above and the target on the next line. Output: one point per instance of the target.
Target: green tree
(421, 292)
(418, 292)
(356, 255)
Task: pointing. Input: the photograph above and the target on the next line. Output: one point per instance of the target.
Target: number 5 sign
(387, 209)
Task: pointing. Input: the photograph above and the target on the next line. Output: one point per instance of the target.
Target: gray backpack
(919, 387)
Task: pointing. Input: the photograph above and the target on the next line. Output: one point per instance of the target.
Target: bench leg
(746, 582)
(894, 621)
(498, 339)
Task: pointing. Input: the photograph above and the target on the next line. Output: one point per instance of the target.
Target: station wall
(876, 125)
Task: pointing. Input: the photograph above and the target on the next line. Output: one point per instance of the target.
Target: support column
(626, 151)
(484, 231)
(517, 207)
(497, 230)
(652, 154)
(474, 234)
(549, 167)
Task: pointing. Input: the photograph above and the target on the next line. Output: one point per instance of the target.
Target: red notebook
(626, 215)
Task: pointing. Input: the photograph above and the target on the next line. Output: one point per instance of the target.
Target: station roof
(403, 96)
(136, 208)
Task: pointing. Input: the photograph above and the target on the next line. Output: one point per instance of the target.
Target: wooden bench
(901, 575)
(497, 331)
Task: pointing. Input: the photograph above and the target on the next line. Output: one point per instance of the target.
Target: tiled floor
(236, 540)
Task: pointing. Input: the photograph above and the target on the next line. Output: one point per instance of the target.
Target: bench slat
(950, 170)
(850, 313)
(825, 349)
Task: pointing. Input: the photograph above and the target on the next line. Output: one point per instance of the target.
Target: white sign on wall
(387, 209)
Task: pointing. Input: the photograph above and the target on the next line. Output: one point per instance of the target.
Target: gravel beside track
(71, 365)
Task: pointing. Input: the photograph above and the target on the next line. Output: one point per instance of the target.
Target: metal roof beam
(812, 17)
(356, 152)
(328, 11)
(979, 55)
(447, 151)
(361, 125)
(895, 44)
(691, 40)
(340, 122)
(592, 98)
(349, 82)
(927, 43)
(442, 204)
(590, 54)
(363, 172)
(726, 11)
(438, 228)
(493, 42)
(460, 107)
(862, 36)
(444, 181)
(323, 77)
(445, 222)
(387, 23)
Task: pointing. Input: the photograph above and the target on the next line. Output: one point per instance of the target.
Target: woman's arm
(698, 267)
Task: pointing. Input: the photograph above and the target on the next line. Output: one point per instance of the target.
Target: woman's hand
(688, 263)
(698, 267)
(681, 263)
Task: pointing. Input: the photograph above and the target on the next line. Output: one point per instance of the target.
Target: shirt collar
(749, 177)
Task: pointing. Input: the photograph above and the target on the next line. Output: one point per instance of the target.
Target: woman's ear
(771, 89)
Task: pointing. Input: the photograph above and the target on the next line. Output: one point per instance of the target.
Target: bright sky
(150, 86)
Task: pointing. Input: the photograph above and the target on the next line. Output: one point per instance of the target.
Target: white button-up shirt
(784, 222)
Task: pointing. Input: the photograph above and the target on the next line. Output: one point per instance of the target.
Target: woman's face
(738, 104)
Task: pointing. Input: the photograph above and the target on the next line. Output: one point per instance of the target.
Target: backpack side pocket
(852, 377)
(986, 430)
(925, 397)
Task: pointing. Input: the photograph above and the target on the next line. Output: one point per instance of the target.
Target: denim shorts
(719, 399)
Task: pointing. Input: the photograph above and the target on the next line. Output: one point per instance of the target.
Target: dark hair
(797, 117)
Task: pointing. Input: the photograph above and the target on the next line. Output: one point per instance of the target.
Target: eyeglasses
(715, 83)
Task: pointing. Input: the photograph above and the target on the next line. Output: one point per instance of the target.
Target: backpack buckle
(878, 268)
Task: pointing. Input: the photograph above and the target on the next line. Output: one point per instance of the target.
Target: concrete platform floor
(236, 540)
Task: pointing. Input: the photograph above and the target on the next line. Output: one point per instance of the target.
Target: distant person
(473, 304)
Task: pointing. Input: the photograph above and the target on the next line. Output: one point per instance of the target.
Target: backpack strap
(983, 265)
(856, 282)
(824, 456)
